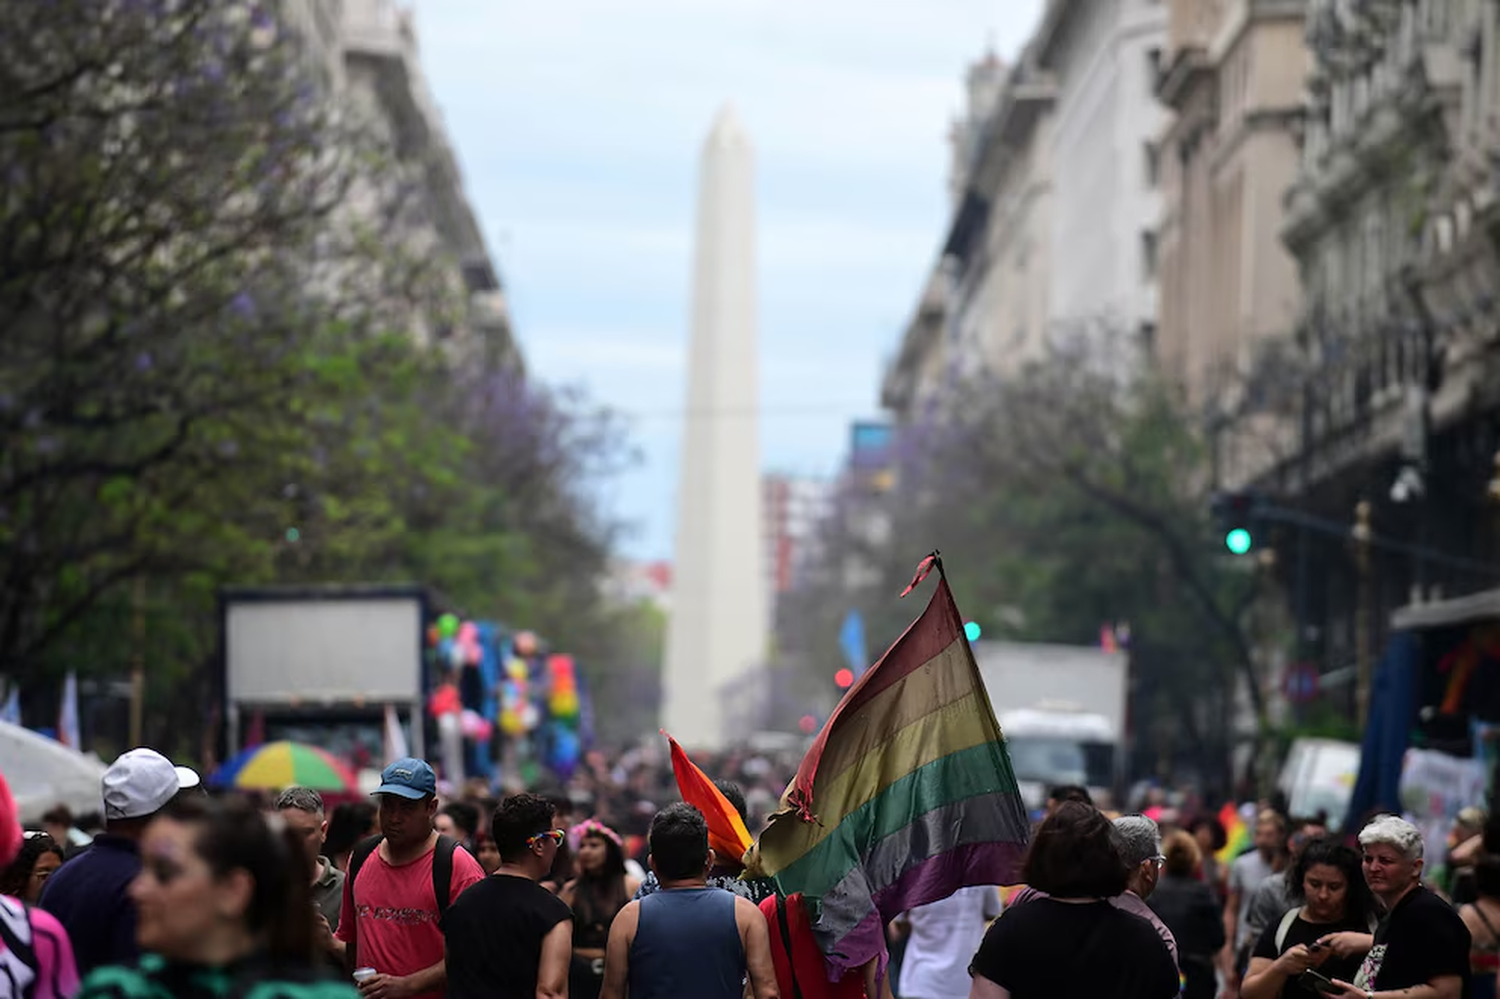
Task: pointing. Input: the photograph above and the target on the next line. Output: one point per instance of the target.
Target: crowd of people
(607, 887)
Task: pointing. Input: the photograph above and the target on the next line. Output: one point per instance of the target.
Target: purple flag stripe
(933, 879)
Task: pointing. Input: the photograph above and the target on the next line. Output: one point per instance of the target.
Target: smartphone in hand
(1318, 983)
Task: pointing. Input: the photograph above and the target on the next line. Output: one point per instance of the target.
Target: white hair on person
(1137, 838)
(1393, 831)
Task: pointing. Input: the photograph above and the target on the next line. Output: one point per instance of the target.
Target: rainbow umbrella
(278, 765)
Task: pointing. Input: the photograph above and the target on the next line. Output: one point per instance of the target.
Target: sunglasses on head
(555, 835)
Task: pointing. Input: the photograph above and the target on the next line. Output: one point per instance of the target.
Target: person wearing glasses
(391, 919)
(508, 936)
(1139, 841)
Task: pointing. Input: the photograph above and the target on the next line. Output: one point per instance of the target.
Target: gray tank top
(687, 944)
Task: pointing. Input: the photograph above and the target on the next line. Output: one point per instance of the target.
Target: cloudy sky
(579, 123)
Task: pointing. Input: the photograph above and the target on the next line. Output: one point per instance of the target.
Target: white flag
(395, 737)
(67, 719)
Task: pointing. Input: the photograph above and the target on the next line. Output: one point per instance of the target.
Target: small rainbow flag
(906, 795)
(1237, 835)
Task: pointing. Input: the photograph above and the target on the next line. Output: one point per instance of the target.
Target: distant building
(630, 583)
(1232, 78)
(794, 509)
(1103, 59)
(365, 54)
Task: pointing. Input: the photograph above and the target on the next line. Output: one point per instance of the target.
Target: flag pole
(137, 658)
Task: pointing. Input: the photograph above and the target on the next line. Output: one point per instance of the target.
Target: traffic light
(1236, 516)
(844, 678)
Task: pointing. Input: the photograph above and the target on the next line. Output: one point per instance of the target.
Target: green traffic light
(1238, 541)
(971, 631)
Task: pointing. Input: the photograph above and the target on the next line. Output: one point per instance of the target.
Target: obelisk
(718, 627)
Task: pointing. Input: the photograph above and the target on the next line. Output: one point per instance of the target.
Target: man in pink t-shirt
(390, 919)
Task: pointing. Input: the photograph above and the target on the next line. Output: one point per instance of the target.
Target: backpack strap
(786, 941)
(361, 853)
(357, 858)
(442, 874)
(20, 940)
(1286, 927)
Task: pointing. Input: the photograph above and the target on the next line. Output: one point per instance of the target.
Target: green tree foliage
(214, 366)
(1070, 496)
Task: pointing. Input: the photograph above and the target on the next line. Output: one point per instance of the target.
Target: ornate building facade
(1392, 220)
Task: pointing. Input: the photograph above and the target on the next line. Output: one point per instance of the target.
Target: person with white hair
(1421, 948)
(1139, 841)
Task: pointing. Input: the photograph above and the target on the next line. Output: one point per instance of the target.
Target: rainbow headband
(593, 827)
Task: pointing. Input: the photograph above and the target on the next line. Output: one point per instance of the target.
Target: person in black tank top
(596, 896)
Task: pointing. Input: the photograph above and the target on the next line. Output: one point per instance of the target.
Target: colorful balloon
(448, 625)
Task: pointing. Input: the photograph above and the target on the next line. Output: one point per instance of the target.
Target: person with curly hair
(25, 877)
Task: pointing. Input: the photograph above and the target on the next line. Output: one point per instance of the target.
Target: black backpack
(442, 868)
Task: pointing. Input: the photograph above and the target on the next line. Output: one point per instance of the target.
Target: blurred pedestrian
(595, 897)
(1482, 917)
(90, 894)
(301, 808)
(36, 958)
(941, 940)
(1073, 942)
(40, 856)
(224, 910)
(1189, 909)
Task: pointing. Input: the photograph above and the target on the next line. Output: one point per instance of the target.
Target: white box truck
(1063, 711)
(319, 664)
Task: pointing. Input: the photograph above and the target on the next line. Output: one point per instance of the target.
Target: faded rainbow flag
(906, 795)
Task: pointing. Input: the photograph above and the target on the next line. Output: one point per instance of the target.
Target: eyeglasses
(555, 835)
(1159, 860)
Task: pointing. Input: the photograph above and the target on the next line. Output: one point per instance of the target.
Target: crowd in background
(172, 890)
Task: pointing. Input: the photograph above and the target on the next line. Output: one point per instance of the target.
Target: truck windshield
(1048, 761)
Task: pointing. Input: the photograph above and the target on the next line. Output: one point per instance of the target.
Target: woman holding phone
(1331, 896)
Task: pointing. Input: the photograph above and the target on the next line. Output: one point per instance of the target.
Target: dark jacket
(89, 896)
(1188, 908)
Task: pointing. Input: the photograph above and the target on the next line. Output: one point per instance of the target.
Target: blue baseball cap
(408, 778)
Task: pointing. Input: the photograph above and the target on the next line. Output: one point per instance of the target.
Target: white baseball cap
(138, 784)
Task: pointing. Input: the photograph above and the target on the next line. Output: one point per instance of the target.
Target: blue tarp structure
(1393, 715)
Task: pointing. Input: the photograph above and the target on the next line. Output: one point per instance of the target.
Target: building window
(1148, 255)
(1153, 165)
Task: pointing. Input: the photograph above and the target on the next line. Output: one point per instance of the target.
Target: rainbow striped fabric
(906, 795)
(1237, 837)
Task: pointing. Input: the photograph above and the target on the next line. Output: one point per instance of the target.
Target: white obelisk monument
(718, 628)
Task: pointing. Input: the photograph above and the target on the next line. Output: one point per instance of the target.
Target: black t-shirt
(1048, 949)
(1419, 940)
(494, 933)
(1303, 932)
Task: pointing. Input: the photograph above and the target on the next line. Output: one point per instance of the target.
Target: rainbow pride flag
(1237, 834)
(906, 795)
